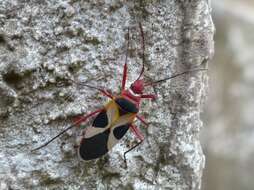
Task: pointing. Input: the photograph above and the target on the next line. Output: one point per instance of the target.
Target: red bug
(115, 118)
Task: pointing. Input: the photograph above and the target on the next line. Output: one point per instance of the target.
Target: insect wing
(107, 129)
(119, 129)
(103, 120)
(95, 140)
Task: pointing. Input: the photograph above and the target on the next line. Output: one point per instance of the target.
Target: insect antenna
(173, 76)
(143, 51)
(59, 134)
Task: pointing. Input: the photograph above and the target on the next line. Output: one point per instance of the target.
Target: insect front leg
(139, 135)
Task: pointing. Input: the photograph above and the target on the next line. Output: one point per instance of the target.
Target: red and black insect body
(117, 116)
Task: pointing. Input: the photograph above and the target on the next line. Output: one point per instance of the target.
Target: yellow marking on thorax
(113, 112)
(112, 107)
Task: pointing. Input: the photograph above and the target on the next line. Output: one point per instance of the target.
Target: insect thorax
(126, 106)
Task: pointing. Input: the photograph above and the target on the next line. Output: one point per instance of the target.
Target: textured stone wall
(44, 45)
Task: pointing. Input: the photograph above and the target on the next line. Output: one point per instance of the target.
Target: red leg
(137, 132)
(151, 96)
(141, 118)
(125, 65)
(139, 135)
(85, 117)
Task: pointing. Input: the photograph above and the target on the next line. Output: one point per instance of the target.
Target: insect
(113, 120)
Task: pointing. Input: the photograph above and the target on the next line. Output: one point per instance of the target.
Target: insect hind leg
(142, 120)
(139, 135)
(124, 155)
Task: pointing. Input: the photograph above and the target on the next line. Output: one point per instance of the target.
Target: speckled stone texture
(45, 45)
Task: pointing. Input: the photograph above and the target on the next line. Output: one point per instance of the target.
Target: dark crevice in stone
(12, 78)
(2, 39)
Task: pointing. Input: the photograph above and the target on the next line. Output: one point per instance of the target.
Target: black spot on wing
(94, 147)
(101, 120)
(126, 105)
(120, 131)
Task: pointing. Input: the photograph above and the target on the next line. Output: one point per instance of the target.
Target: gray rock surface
(44, 45)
